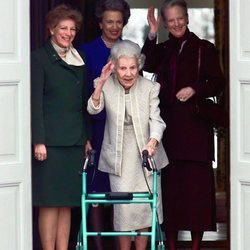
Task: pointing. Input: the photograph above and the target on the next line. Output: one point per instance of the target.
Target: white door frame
(15, 166)
(240, 123)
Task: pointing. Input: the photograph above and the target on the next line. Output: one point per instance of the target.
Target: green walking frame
(120, 198)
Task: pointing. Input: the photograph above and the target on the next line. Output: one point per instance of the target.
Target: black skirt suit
(188, 181)
(60, 121)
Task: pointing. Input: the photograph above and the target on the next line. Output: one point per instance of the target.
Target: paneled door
(15, 167)
(240, 123)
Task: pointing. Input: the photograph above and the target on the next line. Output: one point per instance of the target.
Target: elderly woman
(188, 69)
(59, 126)
(133, 123)
(112, 16)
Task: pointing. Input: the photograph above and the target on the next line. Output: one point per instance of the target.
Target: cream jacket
(146, 118)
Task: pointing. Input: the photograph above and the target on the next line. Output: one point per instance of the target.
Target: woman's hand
(151, 147)
(152, 21)
(87, 147)
(106, 72)
(40, 152)
(185, 94)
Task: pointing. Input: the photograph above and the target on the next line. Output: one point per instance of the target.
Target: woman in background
(112, 16)
(187, 69)
(60, 126)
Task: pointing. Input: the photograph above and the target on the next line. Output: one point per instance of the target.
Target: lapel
(136, 115)
(191, 47)
(55, 58)
(135, 95)
(120, 118)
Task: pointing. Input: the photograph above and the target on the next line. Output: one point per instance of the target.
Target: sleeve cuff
(93, 105)
(152, 36)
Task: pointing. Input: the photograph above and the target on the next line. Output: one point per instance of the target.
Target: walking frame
(149, 197)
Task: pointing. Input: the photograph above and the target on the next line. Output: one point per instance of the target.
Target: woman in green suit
(60, 129)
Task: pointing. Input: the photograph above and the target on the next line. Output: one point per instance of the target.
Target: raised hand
(106, 72)
(153, 22)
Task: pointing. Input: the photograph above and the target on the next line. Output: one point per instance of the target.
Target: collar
(52, 54)
(178, 41)
(72, 55)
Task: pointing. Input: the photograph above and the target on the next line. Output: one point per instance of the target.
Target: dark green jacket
(58, 100)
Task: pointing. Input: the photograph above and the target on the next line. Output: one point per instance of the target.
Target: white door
(15, 169)
(240, 123)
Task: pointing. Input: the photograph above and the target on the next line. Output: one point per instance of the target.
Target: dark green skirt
(56, 181)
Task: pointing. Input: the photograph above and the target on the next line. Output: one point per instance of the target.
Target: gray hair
(127, 48)
(113, 5)
(172, 3)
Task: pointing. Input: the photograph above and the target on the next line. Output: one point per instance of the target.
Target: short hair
(172, 3)
(59, 13)
(113, 5)
(127, 48)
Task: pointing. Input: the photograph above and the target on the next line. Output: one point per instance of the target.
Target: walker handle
(89, 161)
(91, 155)
(145, 162)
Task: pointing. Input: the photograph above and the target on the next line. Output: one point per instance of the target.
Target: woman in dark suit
(60, 129)
(188, 181)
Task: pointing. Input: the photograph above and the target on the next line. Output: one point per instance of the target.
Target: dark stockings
(196, 239)
(96, 217)
(95, 221)
(171, 237)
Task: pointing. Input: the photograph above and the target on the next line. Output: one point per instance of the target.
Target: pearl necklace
(107, 43)
(61, 51)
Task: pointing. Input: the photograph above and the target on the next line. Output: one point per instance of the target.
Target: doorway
(220, 19)
(209, 20)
